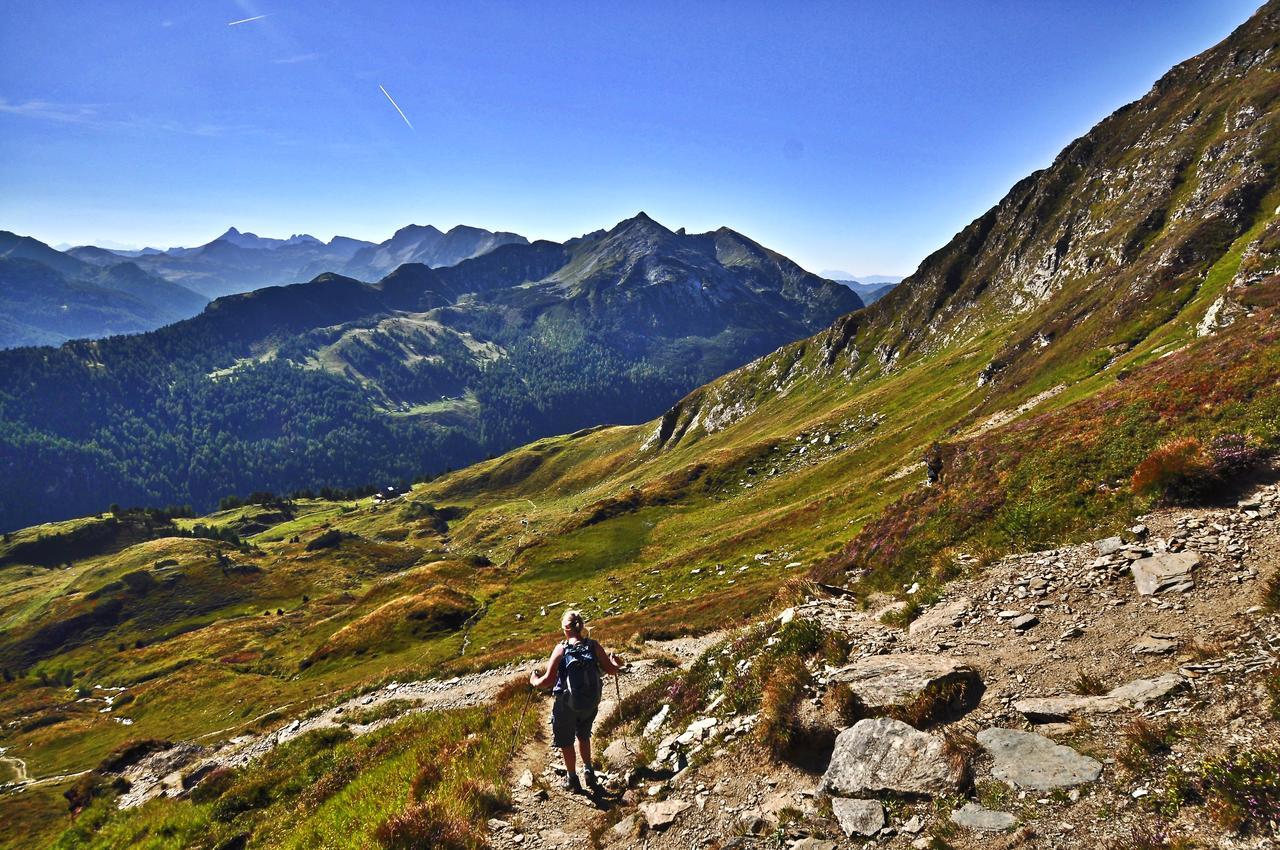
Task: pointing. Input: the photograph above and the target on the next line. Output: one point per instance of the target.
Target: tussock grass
(1087, 685)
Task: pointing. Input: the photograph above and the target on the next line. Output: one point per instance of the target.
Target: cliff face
(1123, 229)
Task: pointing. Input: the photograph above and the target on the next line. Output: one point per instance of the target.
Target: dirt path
(19, 768)
(160, 774)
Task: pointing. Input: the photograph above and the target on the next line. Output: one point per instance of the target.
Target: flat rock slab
(1163, 571)
(1108, 545)
(941, 616)
(875, 756)
(1154, 645)
(812, 843)
(1142, 692)
(858, 817)
(1135, 694)
(973, 816)
(884, 681)
(662, 814)
(1057, 709)
(1028, 760)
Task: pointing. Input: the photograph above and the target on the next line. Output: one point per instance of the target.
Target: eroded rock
(662, 814)
(1164, 571)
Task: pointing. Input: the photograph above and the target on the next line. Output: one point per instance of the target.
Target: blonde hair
(573, 616)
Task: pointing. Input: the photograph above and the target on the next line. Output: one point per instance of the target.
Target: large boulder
(883, 681)
(1028, 760)
(887, 755)
(1164, 571)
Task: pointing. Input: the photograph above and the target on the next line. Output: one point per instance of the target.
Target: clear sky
(857, 135)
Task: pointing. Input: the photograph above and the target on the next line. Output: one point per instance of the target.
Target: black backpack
(581, 675)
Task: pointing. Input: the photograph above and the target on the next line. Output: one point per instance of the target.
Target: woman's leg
(569, 763)
(584, 747)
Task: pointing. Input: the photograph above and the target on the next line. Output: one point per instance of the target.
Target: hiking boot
(571, 784)
(590, 775)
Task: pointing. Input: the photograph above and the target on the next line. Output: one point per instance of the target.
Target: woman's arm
(548, 678)
(608, 663)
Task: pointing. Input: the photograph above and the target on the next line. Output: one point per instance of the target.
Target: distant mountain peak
(641, 223)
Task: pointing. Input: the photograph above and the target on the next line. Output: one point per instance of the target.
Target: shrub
(214, 784)
(1242, 791)
(1143, 741)
(1177, 471)
(428, 824)
(1272, 685)
(1271, 594)
(783, 690)
(1150, 838)
(256, 795)
(1234, 454)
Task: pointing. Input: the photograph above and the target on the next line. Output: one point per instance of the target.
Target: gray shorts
(567, 724)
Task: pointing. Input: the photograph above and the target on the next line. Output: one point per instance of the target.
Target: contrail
(247, 20)
(397, 106)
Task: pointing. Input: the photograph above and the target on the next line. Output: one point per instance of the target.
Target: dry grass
(429, 824)
(1153, 837)
(1142, 742)
(777, 726)
(1088, 685)
(961, 749)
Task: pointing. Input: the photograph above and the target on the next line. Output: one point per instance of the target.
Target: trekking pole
(515, 730)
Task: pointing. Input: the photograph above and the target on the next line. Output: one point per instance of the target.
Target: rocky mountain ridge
(522, 341)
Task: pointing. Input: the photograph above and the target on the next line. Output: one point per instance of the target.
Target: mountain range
(48, 297)
(240, 262)
(870, 288)
(423, 370)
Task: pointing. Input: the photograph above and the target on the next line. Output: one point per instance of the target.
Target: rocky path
(544, 814)
(160, 774)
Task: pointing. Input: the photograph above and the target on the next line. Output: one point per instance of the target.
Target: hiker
(573, 673)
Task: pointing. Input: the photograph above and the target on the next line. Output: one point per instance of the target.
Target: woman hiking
(573, 674)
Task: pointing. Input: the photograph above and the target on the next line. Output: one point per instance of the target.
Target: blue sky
(851, 135)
